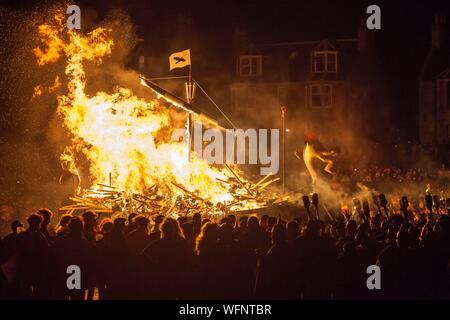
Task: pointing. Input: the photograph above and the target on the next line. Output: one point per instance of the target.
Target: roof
(291, 61)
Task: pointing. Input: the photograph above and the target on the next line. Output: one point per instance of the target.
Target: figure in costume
(313, 149)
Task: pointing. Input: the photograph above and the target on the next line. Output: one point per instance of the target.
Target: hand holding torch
(306, 205)
(404, 206)
(315, 201)
(383, 203)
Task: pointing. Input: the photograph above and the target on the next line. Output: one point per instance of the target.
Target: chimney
(438, 31)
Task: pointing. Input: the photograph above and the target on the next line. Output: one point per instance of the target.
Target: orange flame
(116, 131)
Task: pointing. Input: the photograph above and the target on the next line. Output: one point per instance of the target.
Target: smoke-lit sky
(402, 43)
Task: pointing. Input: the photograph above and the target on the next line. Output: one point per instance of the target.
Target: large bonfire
(129, 169)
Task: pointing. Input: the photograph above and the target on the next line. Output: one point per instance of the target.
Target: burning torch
(315, 201)
(306, 205)
(383, 203)
(404, 206)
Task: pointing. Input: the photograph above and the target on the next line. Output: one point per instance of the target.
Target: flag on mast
(180, 59)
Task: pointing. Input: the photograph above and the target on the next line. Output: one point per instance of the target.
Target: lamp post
(190, 92)
(283, 148)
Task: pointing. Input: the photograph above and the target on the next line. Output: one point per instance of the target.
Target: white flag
(180, 59)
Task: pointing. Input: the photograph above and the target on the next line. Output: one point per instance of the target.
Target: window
(145, 63)
(324, 61)
(250, 65)
(320, 95)
(141, 62)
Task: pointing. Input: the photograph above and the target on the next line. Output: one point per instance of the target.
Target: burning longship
(118, 136)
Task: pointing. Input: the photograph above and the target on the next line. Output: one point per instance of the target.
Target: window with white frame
(250, 65)
(320, 95)
(324, 61)
(141, 61)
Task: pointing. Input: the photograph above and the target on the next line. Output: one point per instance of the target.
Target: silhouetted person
(197, 224)
(138, 239)
(33, 261)
(168, 263)
(275, 269)
(45, 225)
(62, 228)
(316, 259)
(9, 243)
(155, 234)
(90, 234)
(208, 284)
(73, 249)
(130, 226)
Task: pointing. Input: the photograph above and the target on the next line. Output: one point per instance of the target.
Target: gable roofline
(300, 43)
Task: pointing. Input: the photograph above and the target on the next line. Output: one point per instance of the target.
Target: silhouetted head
(253, 224)
(119, 225)
(208, 237)
(312, 229)
(46, 215)
(75, 226)
(243, 221)
(16, 224)
(351, 228)
(392, 235)
(375, 221)
(64, 220)
(339, 229)
(106, 226)
(170, 229)
(403, 238)
(397, 220)
(182, 220)
(131, 217)
(226, 233)
(197, 219)
(442, 226)
(278, 234)
(263, 221)
(89, 219)
(271, 221)
(223, 220)
(349, 247)
(188, 229)
(35, 221)
(141, 222)
(292, 230)
(158, 220)
(232, 220)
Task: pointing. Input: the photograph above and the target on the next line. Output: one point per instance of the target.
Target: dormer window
(324, 61)
(250, 65)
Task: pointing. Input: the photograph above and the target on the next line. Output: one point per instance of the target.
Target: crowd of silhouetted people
(234, 257)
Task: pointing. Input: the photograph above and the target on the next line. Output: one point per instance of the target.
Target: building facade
(434, 88)
(332, 87)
